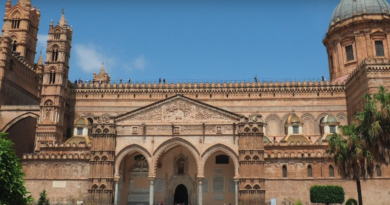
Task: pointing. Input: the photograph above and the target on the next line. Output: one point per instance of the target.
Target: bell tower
(22, 22)
(55, 95)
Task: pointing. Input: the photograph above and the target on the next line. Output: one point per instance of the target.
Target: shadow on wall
(23, 134)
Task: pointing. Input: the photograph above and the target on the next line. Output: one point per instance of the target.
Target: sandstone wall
(66, 182)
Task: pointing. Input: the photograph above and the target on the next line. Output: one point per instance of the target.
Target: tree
(43, 200)
(367, 140)
(12, 190)
(327, 194)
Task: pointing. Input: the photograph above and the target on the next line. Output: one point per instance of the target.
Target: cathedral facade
(248, 143)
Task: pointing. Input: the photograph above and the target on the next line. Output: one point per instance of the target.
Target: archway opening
(181, 194)
(22, 134)
(218, 182)
(133, 183)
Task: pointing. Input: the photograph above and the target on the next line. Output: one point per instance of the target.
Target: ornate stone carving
(179, 109)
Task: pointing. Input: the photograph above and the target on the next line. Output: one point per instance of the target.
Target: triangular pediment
(178, 109)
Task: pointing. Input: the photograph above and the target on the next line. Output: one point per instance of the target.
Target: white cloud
(140, 63)
(90, 57)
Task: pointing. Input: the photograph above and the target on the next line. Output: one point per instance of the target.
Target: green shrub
(298, 202)
(12, 190)
(351, 202)
(327, 194)
(43, 200)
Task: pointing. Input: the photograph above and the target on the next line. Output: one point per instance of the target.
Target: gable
(178, 109)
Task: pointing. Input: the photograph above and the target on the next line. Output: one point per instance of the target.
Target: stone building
(98, 142)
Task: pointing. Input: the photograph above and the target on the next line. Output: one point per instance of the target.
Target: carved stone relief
(178, 110)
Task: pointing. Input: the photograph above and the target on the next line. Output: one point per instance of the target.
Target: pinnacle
(40, 61)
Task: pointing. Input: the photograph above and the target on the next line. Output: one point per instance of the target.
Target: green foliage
(43, 200)
(327, 194)
(299, 202)
(351, 202)
(12, 190)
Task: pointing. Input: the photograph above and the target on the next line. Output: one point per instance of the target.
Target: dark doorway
(181, 194)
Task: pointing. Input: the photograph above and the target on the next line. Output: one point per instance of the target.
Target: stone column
(116, 193)
(236, 191)
(151, 194)
(200, 192)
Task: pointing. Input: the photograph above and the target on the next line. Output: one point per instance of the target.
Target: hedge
(327, 194)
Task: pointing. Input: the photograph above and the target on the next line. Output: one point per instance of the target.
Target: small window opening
(284, 171)
(14, 46)
(331, 171)
(379, 48)
(309, 171)
(378, 171)
(332, 129)
(211, 95)
(79, 131)
(222, 159)
(295, 129)
(349, 52)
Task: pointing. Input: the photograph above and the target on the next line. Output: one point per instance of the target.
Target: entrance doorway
(181, 194)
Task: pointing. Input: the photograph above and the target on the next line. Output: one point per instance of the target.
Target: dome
(83, 122)
(293, 119)
(348, 8)
(329, 119)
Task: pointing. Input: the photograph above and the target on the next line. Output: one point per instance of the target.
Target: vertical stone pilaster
(250, 187)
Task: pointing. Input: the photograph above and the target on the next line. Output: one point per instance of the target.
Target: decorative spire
(62, 20)
(102, 68)
(8, 5)
(40, 61)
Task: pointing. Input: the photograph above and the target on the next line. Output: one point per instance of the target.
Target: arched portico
(128, 151)
(169, 144)
(221, 148)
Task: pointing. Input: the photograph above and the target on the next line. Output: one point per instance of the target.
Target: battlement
(371, 64)
(266, 87)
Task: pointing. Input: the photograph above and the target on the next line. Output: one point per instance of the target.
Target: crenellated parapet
(66, 151)
(208, 90)
(379, 65)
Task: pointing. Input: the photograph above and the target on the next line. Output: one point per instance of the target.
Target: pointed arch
(308, 124)
(169, 144)
(342, 118)
(273, 125)
(19, 118)
(128, 151)
(222, 148)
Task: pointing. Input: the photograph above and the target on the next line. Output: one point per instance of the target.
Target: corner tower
(55, 96)
(22, 22)
(358, 29)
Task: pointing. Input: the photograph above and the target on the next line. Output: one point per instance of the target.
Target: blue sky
(200, 40)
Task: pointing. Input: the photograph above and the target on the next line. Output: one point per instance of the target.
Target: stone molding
(128, 151)
(220, 148)
(167, 145)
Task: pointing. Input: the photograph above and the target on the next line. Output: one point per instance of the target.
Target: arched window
(52, 79)
(14, 46)
(309, 171)
(378, 171)
(15, 22)
(57, 34)
(284, 171)
(331, 171)
(222, 159)
(54, 56)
